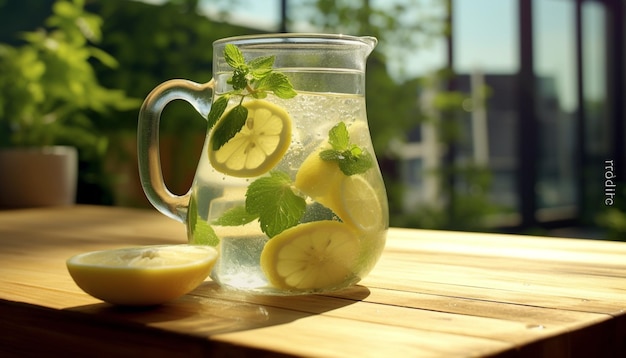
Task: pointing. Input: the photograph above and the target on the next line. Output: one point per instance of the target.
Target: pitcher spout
(370, 42)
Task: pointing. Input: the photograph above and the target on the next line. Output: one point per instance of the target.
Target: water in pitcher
(341, 215)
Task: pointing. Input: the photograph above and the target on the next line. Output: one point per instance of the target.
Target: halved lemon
(259, 145)
(312, 256)
(142, 276)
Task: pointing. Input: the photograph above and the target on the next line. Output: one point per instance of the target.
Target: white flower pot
(32, 177)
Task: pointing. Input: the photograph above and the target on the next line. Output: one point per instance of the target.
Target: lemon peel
(142, 276)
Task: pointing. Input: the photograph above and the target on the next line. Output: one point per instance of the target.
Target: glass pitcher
(287, 187)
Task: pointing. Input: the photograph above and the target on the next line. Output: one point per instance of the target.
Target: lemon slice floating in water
(317, 177)
(357, 204)
(310, 256)
(142, 276)
(352, 197)
(258, 146)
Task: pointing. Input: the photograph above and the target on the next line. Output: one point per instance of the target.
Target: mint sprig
(199, 231)
(275, 202)
(270, 199)
(350, 158)
(256, 79)
(235, 217)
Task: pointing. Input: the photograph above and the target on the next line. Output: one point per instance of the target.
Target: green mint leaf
(355, 150)
(338, 137)
(204, 235)
(355, 164)
(261, 66)
(199, 231)
(349, 162)
(229, 126)
(278, 83)
(259, 94)
(239, 80)
(350, 158)
(235, 217)
(330, 155)
(278, 207)
(317, 212)
(217, 109)
(233, 56)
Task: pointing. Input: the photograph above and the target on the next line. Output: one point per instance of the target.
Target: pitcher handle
(148, 156)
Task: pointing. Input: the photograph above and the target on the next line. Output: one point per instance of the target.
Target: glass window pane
(597, 123)
(594, 72)
(555, 70)
(486, 52)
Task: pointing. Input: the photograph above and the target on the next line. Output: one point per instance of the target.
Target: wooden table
(433, 294)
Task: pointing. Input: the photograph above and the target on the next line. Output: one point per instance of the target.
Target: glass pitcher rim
(369, 41)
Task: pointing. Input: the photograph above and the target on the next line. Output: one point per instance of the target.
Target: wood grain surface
(432, 294)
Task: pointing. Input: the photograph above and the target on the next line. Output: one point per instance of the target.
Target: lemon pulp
(259, 145)
(141, 276)
(310, 256)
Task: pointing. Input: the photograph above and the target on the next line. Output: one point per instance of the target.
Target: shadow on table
(211, 309)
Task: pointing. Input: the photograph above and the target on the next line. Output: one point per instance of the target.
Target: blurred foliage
(48, 87)
(153, 43)
(49, 91)
(400, 26)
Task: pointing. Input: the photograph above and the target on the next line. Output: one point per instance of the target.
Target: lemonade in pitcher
(288, 188)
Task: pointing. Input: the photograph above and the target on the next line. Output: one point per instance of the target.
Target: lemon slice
(316, 177)
(259, 145)
(351, 198)
(311, 256)
(142, 276)
(358, 205)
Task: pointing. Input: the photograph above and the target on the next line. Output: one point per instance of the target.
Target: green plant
(48, 88)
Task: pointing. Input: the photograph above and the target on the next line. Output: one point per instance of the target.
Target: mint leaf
(330, 155)
(273, 200)
(350, 158)
(199, 231)
(355, 164)
(318, 212)
(338, 137)
(235, 216)
(233, 56)
(239, 80)
(229, 126)
(259, 94)
(217, 109)
(278, 83)
(204, 235)
(261, 66)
